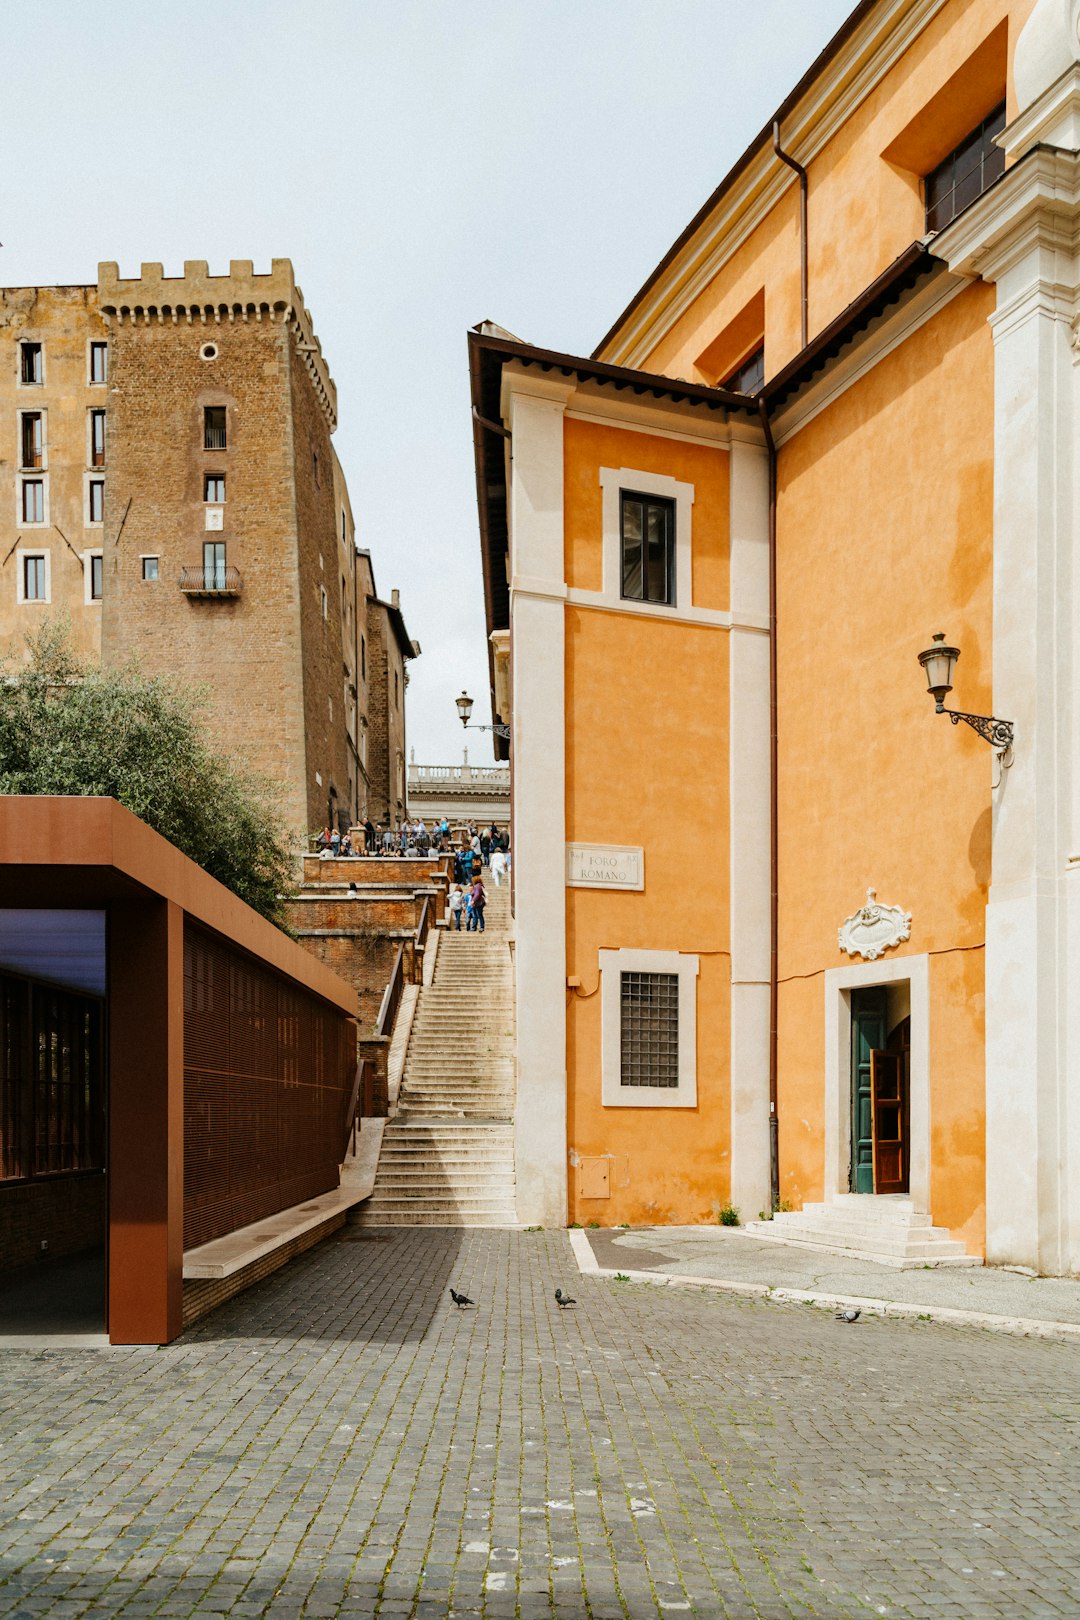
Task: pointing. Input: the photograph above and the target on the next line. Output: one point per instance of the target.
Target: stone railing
(491, 776)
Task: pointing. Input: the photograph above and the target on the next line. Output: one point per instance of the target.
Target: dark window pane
(632, 516)
(648, 548)
(966, 173)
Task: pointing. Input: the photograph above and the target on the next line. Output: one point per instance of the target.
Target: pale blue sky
(425, 164)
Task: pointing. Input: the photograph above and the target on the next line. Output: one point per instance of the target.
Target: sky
(425, 164)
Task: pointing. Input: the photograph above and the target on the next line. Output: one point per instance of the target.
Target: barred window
(649, 1019)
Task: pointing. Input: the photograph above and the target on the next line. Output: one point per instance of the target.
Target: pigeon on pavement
(848, 1316)
(460, 1300)
(563, 1300)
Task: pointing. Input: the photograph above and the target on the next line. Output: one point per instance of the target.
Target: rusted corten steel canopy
(76, 853)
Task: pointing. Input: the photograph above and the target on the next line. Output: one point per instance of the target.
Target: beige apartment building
(174, 491)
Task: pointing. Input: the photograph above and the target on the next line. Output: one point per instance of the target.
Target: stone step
(443, 1218)
(920, 1250)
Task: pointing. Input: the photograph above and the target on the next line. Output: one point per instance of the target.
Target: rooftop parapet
(241, 295)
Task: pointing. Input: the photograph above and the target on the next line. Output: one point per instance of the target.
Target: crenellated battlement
(153, 298)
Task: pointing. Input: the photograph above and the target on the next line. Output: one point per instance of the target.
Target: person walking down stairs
(447, 1155)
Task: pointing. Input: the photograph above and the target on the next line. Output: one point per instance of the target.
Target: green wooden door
(868, 1034)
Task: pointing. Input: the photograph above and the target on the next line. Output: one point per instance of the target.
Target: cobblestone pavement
(342, 1441)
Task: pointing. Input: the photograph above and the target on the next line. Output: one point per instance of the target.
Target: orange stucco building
(836, 419)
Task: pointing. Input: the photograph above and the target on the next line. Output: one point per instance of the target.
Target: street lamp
(939, 662)
(464, 709)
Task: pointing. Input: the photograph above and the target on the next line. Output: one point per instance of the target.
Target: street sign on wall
(604, 866)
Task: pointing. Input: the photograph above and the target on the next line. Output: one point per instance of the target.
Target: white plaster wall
(534, 407)
(750, 807)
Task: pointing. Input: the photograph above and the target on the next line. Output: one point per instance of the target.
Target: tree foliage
(68, 727)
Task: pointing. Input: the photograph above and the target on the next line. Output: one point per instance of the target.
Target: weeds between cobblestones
(341, 1442)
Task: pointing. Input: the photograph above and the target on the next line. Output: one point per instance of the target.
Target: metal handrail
(350, 1112)
(392, 995)
(214, 438)
(424, 924)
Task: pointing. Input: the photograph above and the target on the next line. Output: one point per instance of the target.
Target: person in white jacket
(498, 867)
(455, 901)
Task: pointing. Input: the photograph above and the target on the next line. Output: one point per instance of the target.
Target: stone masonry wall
(248, 648)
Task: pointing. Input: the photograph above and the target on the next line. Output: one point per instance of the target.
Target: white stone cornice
(1035, 205)
(845, 83)
(1052, 120)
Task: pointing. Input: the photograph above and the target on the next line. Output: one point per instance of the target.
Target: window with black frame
(969, 170)
(647, 531)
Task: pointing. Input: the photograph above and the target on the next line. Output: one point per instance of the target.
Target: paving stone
(339, 1441)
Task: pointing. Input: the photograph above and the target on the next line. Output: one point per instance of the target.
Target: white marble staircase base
(888, 1230)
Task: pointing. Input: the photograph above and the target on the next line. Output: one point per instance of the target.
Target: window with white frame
(646, 521)
(95, 500)
(95, 454)
(648, 1017)
(31, 440)
(33, 577)
(32, 500)
(31, 364)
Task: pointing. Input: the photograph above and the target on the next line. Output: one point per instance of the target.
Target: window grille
(966, 173)
(649, 1020)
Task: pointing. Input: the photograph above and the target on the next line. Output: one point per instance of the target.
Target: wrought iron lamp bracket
(998, 733)
(500, 731)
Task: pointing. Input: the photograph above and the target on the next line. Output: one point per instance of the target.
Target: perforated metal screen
(267, 1077)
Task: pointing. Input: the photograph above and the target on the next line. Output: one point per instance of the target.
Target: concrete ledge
(248, 1244)
(1021, 1326)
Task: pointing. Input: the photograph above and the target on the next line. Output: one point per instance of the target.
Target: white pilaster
(750, 808)
(534, 407)
(1022, 236)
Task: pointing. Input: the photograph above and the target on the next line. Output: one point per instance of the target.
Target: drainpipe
(804, 186)
(774, 845)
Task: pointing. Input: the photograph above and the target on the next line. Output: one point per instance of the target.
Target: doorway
(880, 1089)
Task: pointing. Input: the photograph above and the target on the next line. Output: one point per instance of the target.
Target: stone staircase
(447, 1155)
(887, 1229)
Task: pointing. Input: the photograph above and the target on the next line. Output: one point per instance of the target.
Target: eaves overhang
(406, 645)
(488, 354)
(913, 266)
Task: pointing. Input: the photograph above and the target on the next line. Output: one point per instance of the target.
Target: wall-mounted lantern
(939, 662)
(464, 709)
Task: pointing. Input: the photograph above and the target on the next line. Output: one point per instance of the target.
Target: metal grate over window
(649, 1019)
(966, 173)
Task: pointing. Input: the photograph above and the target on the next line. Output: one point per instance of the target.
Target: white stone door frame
(839, 983)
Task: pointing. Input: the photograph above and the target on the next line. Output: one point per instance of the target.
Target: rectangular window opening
(96, 575)
(31, 364)
(649, 1027)
(32, 439)
(99, 362)
(33, 500)
(749, 377)
(969, 170)
(213, 552)
(150, 568)
(97, 438)
(214, 488)
(34, 579)
(647, 529)
(95, 500)
(214, 426)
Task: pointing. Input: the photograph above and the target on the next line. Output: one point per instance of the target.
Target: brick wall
(68, 1213)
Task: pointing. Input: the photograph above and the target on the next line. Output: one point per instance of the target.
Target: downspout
(774, 842)
(804, 186)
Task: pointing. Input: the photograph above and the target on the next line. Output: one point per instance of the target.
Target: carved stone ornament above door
(874, 929)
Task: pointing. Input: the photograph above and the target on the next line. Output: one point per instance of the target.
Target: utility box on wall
(594, 1178)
